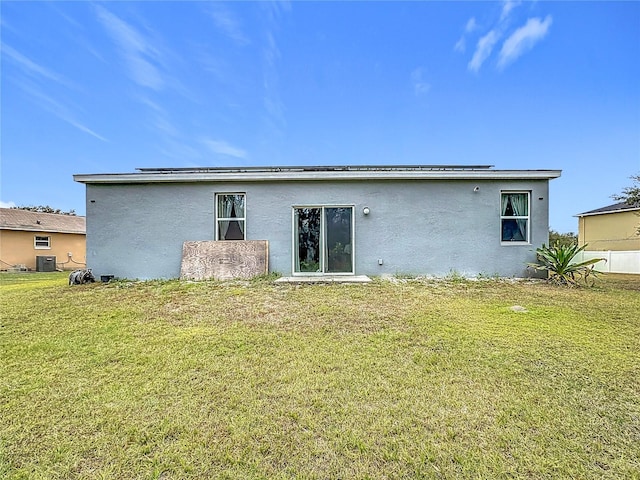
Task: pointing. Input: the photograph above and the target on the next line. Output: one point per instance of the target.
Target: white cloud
(58, 109)
(83, 128)
(220, 147)
(420, 86)
(7, 204)
(145, 73)
(272, 101)
(139, 53)
(519, 42)
(34, 90)
(31, 67)
(483, 50)
(181, 151)
(471, 25)
(274, 107)
(163, 125)
(507, 6)
(523, 39)
(227, 22)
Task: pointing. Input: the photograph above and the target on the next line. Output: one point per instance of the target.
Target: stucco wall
(610, 231)
(415, 227)
(17, 248)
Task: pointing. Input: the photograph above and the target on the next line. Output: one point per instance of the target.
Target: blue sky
(97, 87)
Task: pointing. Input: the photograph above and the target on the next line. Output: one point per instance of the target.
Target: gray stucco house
(332, 220)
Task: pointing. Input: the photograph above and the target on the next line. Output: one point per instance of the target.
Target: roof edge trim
(346, 175)
(27, 228)
(591, 214)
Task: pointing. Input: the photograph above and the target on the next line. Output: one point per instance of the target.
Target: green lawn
(393, 379)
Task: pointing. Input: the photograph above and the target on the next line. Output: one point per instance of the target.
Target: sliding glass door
(323, 240)
(307, 235)
(338, 240)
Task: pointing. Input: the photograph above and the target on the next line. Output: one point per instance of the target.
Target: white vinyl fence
(617, 262)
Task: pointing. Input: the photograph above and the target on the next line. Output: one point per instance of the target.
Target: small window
(514, 217)
(42, 242)
(230, 216)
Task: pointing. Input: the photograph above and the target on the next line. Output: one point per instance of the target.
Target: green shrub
(557, 260)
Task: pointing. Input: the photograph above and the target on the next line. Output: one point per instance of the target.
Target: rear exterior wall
(421, 227)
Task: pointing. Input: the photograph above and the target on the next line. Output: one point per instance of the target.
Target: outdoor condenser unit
(45, 263)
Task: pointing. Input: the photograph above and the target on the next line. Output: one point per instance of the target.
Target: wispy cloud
(483, 50)
(83, 128)
(227, 22)
(470, 27)
(7, 204)
(420, 85)
(32, 68)
(276, 9)
(272, 100)
(171, 141)
(461, 45)
(520, 40)
(220, 147)
(183, 152)
(141, 56)
(163, 125)
(523, 39)
(507, 6)
(40, 75)
(58, 109)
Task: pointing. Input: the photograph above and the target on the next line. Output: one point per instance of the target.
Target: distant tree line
(631, 195)
(45, 209)
(562, 239)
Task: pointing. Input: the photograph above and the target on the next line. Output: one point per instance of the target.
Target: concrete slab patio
(325, 279)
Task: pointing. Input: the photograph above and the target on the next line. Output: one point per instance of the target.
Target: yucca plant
(557, 260)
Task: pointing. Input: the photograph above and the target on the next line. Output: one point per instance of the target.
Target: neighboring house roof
(17, 219)
(615, 208)
(292, 173)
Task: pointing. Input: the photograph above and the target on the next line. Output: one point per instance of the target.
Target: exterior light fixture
(366, 210)
(476, 189)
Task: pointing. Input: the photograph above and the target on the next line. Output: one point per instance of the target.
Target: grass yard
(388, 380)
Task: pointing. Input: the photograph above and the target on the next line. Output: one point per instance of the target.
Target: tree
(631, 195)
(44, 209)
(564, 239)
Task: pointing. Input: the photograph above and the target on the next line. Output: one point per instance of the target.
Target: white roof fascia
(252, 176)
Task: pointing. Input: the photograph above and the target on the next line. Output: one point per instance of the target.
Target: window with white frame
(514, 217)
(230, 216)
(41, 242)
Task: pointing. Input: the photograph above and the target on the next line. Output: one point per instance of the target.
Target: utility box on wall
(45, 263)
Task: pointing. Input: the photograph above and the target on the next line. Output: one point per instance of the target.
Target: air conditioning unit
(45, 263)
